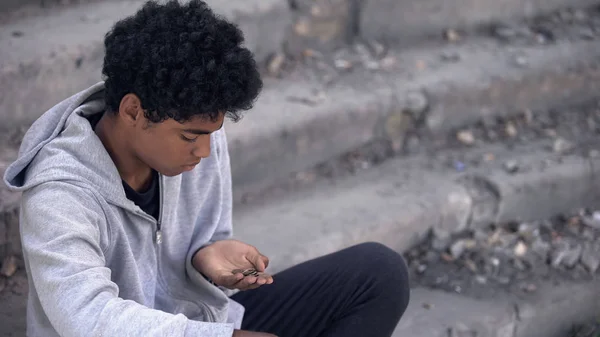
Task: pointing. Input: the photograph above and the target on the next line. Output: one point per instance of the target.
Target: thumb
(259, 261)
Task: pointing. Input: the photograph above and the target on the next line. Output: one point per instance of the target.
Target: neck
(131, 169)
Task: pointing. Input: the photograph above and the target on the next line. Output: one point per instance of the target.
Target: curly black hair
(182, 61)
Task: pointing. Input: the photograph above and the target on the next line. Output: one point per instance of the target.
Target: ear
(130, 110)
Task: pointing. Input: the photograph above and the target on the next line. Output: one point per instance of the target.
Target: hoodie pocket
(190, 307)
(197, 299)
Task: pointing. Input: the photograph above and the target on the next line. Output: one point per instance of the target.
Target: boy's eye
(190, 140)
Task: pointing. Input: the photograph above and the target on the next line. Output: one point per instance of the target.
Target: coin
(246, 272)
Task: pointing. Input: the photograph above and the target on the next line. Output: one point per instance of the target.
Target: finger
(230, 279)
(254, 286)
(246, 282)
(260, 262)
(269, 279)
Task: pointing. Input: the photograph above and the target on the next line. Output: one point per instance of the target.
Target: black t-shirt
(148, 200)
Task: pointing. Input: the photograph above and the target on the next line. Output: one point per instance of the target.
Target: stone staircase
(345, 77)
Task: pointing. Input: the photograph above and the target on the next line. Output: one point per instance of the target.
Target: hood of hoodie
(61, 128)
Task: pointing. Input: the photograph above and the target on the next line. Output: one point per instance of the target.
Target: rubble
(511, 257)
(466, 137)
(562, 146)
(9, 266)
(511, 166)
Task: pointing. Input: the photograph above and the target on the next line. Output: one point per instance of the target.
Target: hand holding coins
(253, 273)
(246, 272)
(233, 264)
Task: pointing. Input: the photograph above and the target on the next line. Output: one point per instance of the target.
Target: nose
(202, 148)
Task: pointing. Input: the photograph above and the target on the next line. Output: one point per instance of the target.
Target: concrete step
(410, 21)
(402, 200)
(291, 127)
(285, 134)
(50, 54)
(550, 312)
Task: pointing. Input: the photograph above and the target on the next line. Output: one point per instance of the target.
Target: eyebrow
(201, 131)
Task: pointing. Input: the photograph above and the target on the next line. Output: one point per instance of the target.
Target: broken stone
(562, 146)
(566, 254)
(446, 257)
(588, 234)
(593, 153)
(550, 133)
(440, 243)
(481, 279)
(593, 220)
(421, 268)
(459, 247)
(508, 239)
(503, 280)
(343, 64)
(431, 256)
(505, 33)
(510, 130)
(441, 279)
(541, 248)
(590, 257)
(587, 33)
(459, 166)
(9, 266)
(511, 166)
(529, 287)
(372, 65)
(521, 61)
(412, 144)
(450, 56)
(528, 114)
(520, 249)
(471, 265)
(276, 64)
(388, 62)
(489, 157)
(416, 104)
(519, 265)
(17, 33)
(528, 230)
(451, 35)
(466, 137)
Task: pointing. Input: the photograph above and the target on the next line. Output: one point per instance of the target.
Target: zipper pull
(159, 236)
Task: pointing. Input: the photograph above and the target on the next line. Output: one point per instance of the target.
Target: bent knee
(387, 269)
(378, 258)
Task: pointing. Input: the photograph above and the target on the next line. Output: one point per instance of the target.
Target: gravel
(515, 257)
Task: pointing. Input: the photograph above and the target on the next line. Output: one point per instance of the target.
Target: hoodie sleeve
(63, 245)
(224, 229)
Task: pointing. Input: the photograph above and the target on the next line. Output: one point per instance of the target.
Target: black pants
(360, 291)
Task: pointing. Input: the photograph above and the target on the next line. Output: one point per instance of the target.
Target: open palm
(219, 260)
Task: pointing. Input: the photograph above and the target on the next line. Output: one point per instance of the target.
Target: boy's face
(172, 148)
(169, 147)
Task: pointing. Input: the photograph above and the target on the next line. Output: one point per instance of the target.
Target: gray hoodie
(95, 267)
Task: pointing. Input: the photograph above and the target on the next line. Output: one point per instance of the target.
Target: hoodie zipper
(158, 234)
(158, 238)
